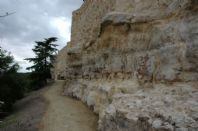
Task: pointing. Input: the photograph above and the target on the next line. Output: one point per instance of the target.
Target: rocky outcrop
(135, 63)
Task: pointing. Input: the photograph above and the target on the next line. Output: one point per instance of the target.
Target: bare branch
(7, 14)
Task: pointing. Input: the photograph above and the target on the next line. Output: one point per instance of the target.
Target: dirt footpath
(66, 114)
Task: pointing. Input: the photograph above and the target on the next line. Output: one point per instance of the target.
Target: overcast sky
(33, 21)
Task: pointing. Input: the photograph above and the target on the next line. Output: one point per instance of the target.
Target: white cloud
(63, 25)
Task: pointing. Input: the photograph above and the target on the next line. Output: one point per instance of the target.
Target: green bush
(11, 89)
(11, 84)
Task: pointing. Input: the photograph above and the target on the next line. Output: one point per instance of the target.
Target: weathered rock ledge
(124, 106)
(135, 63)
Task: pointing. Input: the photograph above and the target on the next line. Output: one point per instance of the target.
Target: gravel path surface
(66, 114)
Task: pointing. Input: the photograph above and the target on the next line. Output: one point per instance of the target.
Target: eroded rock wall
(135, 63)
(60, 64)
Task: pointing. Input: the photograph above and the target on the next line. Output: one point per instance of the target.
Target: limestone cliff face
(135, 62)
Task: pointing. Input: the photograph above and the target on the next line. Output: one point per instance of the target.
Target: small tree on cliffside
(45, 52)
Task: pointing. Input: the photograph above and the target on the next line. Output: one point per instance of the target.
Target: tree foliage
(11, 87)
(7, 62)
(45, 52)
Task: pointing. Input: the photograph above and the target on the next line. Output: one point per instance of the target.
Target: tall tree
(45, 52)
